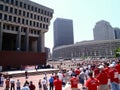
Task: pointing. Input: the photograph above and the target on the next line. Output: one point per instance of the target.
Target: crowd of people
(101, 75)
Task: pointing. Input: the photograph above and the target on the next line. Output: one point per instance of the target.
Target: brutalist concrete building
(23, 25)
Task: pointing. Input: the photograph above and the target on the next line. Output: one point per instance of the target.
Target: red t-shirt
(113, 74)
(118, 68)
(102, 77)
(74, 82)
(96, 71)
(77, 71)
(92, 83)
(58, 84)
(32, 87)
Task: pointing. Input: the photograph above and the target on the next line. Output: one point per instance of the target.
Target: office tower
(103, 31)
(23, 24)
(117, 33)
(63, 32)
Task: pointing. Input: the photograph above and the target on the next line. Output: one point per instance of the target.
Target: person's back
(58, 84)
(92, 83)
(32, 86)
(74, 83)
(25, 87)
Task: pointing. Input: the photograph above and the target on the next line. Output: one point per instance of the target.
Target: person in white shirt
(44, 83)
(18, 85)
(2, 80)
(25, 87)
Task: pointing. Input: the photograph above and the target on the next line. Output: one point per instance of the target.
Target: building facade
(103, 31)
(23, 24)
(94, 49)
(117, 33)
(63, 32)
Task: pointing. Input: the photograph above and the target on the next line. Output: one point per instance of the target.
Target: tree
(117, 52)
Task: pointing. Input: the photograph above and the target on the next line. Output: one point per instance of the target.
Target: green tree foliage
(117, 52)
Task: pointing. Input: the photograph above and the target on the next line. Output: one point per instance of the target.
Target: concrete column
(18, 42)
(27, 40)
(1, 35)
(41, 46)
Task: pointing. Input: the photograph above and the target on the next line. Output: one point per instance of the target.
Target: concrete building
(103, 31)
(117, 33)
(84, 49)
(63, 32)
(23, 24)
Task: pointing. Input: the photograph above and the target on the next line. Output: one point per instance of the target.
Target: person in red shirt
(58, 83)
(74, 82)
(96, 71)
(103, 78)
(31, 86)
(92, 83)
(113, 74)
(7, 82)
(77, 71)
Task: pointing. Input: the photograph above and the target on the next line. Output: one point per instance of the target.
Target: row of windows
(23, 21)
(23, 13)
(28, 7)
(23, 30)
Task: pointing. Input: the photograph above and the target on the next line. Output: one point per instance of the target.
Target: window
(47, 20)
(15, 11)
(40, 25)
(34, 23)
(35, 9)
(18, 20)
(46, 26)
(34, 16)
(44, 19)
(38, 10)
(10, 18)
(26, 22)
(14, 19)
(23, 21)
(23, 13)
(11, 10)
(4, 26)
(0, 15)
(1, 7)
(32, 8)
(8, 27)
(16, 3)
(6, 8)
(5, 17)
(7, 1)
(31, 15)
(27, 14)
(38, 17)
(42, 11)
(30, 23)
(20, 4)
(24, 5)
(43, 26)
(12, 1)
(41, 18)
(37, 24)
(19, 12)
(28, 7)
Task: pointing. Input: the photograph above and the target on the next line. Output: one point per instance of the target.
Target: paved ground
(35, 79)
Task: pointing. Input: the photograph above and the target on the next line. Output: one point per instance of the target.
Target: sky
(84, 13)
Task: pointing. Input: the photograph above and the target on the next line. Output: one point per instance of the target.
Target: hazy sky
(84, 13)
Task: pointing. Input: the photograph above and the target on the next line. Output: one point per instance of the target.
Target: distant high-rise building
(103, 31)
(63, 32)
(117, 33)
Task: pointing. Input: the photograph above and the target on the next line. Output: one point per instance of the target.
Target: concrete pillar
(27, 40)
(41, 46)
(18, 42)
(1, 35)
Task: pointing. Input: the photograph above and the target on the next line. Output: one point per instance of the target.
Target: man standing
(58, 84)
(31, 86)
(51, 80)
(92, 83)
(74, 82)
(113, 74)
(103, 78)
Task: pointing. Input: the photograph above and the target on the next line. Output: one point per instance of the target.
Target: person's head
(90, 74)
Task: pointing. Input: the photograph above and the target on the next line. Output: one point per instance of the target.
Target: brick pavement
(35, 79)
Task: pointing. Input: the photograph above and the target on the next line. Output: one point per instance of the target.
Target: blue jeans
(114, 86)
